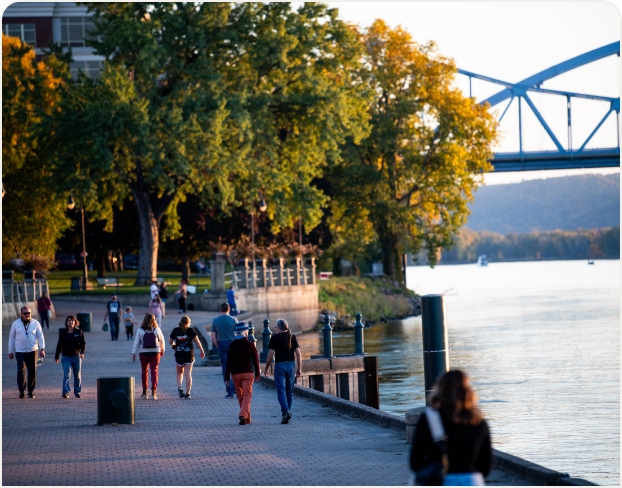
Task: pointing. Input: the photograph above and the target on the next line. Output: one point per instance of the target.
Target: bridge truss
(562, 158)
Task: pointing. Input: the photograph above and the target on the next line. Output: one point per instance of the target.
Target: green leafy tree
(33, 214)
(212, 99)
(411, 179)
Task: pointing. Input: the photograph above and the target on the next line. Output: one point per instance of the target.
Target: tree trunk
(149, 239)
(185, 261)
(392, 258)
(99, 264)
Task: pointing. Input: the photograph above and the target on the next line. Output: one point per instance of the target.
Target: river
(541, 343)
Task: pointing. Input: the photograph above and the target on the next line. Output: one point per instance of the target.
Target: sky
(510, 41)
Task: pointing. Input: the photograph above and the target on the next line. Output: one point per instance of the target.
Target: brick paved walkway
(53, 441)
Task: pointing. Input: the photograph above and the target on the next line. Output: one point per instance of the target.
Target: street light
(262, 207)
(85, 274)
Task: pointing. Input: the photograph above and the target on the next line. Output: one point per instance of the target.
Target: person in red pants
(149, 342)
(243, 368)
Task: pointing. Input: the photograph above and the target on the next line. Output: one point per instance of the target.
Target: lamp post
(85, 274)
(262, 208)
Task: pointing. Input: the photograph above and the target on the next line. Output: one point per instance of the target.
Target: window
(92, 69)
(25, 32)
(75, 31)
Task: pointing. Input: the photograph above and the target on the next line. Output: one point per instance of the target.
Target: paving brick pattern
(54, 441)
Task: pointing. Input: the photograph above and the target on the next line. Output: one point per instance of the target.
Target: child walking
(128, 317)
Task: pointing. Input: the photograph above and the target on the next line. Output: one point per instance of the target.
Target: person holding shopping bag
(72, 345)
(149, 343)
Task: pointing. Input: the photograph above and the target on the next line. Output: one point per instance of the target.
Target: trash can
(76, 283)
(115, 400)
(85, 319)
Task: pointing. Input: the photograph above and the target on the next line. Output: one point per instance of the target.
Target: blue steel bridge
(564, 157)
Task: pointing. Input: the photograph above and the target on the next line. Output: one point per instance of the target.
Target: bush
(372, 298)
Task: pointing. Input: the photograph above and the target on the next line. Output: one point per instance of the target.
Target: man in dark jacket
(241, 362)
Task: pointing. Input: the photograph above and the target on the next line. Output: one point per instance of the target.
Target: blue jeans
(114, 326)
(464, 479)
(223, 351)
(69, 363)
(284, 377)
(233, 308)
(44, 319)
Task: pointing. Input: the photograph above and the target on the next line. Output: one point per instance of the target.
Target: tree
(212, 99)
(33, 214)
(408, 184)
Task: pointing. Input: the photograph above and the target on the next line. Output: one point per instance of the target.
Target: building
(38, 23)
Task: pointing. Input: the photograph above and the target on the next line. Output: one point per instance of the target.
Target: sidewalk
(54, 441)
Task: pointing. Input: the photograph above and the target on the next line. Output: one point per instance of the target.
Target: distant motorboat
(590, 261)
(482, 260)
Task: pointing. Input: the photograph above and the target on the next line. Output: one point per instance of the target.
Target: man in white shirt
(25, 338)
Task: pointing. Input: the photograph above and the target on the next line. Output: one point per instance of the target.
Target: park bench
(103, 282)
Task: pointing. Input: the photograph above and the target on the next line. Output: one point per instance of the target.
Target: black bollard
(434, 331)
(358, 335)
(251, 335)
(328, 337)
(265, 335)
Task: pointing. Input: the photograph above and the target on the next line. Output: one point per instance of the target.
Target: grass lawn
(60, 282)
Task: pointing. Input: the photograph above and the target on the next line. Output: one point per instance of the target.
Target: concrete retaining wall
(296, 304)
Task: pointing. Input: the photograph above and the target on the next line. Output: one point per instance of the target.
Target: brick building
(38, 23)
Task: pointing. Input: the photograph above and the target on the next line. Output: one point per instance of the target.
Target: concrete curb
(503, 461)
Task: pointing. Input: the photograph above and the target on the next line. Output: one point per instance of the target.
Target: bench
(103, 282)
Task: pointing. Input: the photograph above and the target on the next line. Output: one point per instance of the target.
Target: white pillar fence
(299, 272)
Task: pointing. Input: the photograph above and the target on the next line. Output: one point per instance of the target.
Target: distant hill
(566, 203)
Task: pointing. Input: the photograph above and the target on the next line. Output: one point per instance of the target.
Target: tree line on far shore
(557, 244)
(358, 137)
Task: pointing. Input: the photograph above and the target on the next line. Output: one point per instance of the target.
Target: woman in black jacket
(71, 344)
(468, 444)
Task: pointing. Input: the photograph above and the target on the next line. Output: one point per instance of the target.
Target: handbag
(105, 327)
(49, 313)
(434, 473)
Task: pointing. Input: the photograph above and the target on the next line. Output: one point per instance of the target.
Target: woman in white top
(149, 343)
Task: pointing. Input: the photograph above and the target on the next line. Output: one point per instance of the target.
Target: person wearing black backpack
(149, 342)
(452, 443)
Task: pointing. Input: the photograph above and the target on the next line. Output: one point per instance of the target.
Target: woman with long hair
(181, 339)
(149, 342)
(467, 446)
(284, 348)
(155, 308)
(72, 345)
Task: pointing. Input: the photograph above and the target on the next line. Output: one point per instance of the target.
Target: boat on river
(482, 260)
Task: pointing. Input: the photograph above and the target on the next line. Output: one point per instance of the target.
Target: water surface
(541, 343)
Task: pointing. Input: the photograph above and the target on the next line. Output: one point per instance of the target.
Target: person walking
(25, 339)
(72, 345)
(163, 296)
(113, 310)
(453, 409)
(155, 308)
(44, 307)
(183, 293)
(181, 339)
(223, 330)
(153, 288)
(231, 300)
(241, 361)
(128, 318)
(283, 346)
(149, 343)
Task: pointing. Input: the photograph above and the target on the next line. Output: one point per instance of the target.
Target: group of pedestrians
(452, 444)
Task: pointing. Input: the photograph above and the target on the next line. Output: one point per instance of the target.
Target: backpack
(150, 339)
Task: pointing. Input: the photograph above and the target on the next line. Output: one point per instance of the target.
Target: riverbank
(376, 299)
